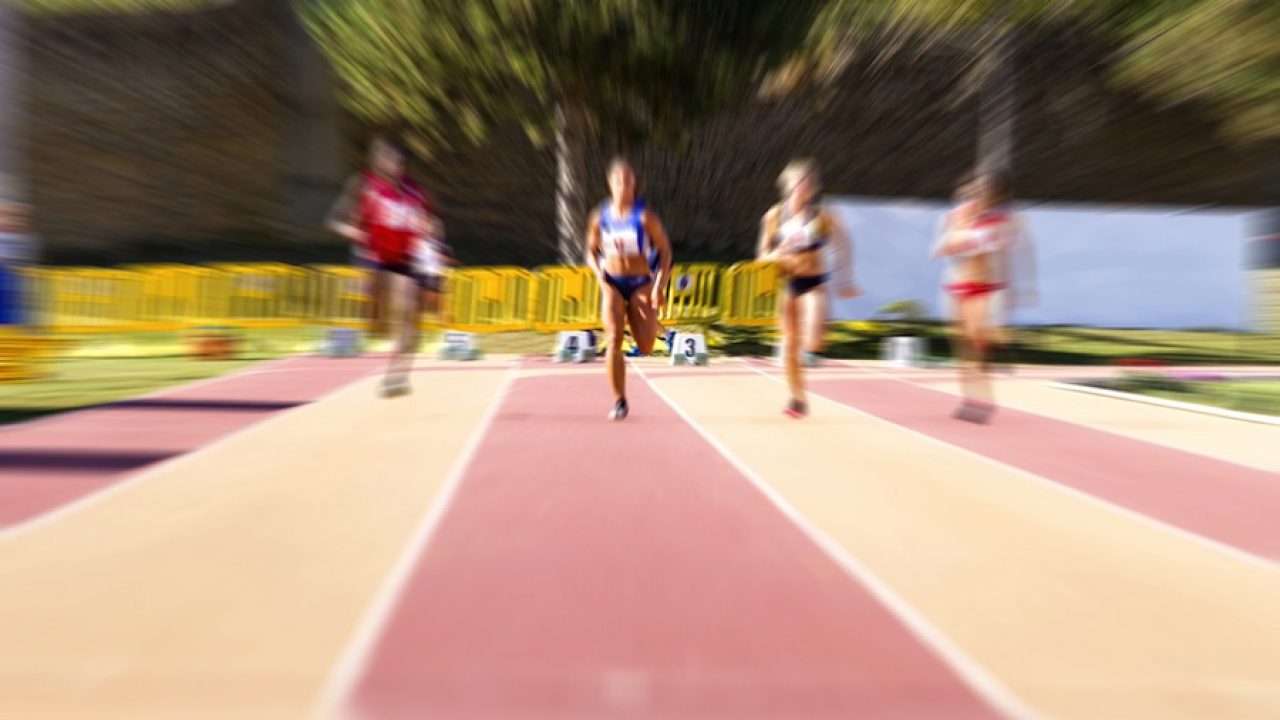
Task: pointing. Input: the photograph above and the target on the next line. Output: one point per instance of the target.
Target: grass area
(80, 382)
(1041, 345)
(96, 369)
(1243, 395)
(256, 344)
(102, 368)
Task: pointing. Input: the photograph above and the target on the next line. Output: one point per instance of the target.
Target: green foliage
(906, 310)
(1148, 381)
(1222, 53)
(1225, 53)
(628, 67)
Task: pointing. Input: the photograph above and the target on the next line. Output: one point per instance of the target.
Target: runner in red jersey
(383, 212)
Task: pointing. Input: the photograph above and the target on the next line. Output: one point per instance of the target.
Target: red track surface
(588, 569)
(47, 463)
(1228, 503)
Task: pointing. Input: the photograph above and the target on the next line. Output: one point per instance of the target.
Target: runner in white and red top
(978, 238)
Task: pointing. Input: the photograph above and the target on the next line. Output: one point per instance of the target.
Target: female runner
(619, 235)
(794, 234)
(977, 237)
(381, 211)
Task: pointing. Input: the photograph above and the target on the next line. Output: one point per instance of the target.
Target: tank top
(388, 213)
(802, 232)
(622, 236)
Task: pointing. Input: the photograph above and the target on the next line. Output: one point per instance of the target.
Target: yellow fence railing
(750, 295)
(565, 298)
(263, 294)
(86, 299)
(693, 295)
(492, 299)
(339, 295)
(477, 299)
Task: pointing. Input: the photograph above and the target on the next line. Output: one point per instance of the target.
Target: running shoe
(796, 409)
(395, 386)
(975, 412)
(619, 411)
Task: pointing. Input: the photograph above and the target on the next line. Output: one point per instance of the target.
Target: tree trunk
(998, 106)
(12, 77)
(570, 203)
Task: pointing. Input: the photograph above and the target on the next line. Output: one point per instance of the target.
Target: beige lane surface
(230, 583)
(1080, 611)
(1246, 443)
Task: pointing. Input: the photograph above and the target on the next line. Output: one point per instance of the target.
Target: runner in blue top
(619, 238)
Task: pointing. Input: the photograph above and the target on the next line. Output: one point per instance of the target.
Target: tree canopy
(631, 67)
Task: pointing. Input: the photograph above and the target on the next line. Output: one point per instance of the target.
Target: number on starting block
(459, 346)
(578, 346)
(689, 349)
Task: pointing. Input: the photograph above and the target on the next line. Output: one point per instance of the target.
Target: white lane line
(1215, 545)
(974, 675)
(350, 668)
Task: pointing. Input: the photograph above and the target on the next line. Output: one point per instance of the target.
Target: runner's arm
(341, 217)
(656, 232)
(592, 245)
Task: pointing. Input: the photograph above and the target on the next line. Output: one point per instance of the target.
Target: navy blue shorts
(627, 285)
(801, 285)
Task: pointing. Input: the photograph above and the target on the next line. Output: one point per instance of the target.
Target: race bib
(622, 242)
(397, 215)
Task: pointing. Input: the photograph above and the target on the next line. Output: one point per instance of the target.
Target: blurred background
(167, 149)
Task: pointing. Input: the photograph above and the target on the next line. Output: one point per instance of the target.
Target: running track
(490, 547)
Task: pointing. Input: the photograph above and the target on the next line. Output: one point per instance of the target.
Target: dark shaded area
(217, 405)
(74, 460)
(8, 416)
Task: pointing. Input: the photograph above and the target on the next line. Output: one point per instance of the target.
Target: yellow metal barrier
(262, 294)
(693, 295)
(750, 294)
(339, 295)
(85, 299)
(565, 298)
(488, 299)
(177, 296)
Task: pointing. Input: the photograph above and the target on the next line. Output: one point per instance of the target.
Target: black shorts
(431, 283)
(800, 285)
(399, 269)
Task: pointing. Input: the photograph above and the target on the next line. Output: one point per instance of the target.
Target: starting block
(459, 346)
(689, 349)
(579, 346)
(341, 343)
